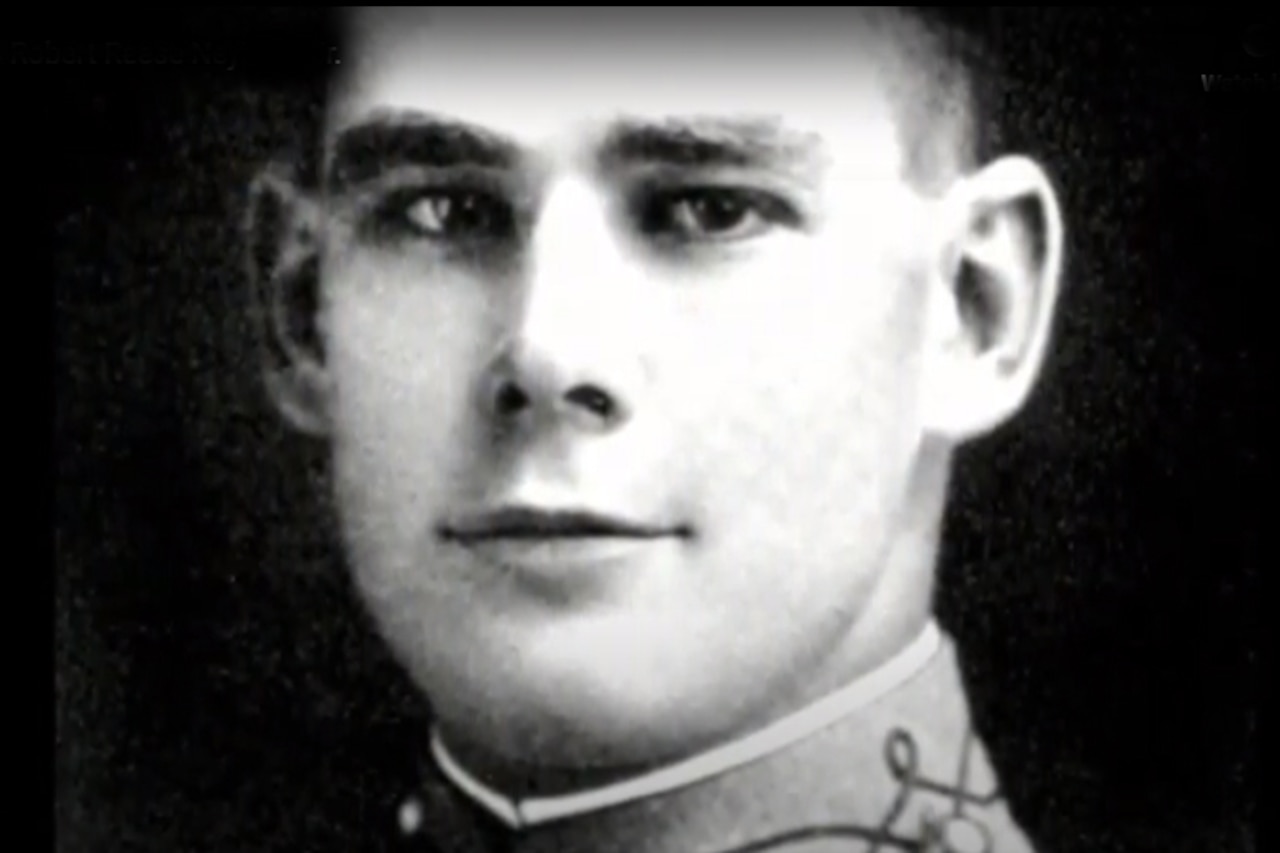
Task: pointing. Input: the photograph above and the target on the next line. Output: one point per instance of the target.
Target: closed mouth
(529, 523)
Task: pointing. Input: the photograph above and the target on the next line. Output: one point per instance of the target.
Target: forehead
(541, 74)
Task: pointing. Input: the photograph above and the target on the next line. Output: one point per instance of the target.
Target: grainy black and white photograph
(657, 429)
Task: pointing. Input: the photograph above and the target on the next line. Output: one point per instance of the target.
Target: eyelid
(384, 216)
(774, 206)
(403, 183)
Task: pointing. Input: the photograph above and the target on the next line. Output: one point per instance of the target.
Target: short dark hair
(948, 88)
(294, 52)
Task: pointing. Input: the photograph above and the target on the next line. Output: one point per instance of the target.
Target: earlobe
(992, 311)
(282, 255)
(300, 394)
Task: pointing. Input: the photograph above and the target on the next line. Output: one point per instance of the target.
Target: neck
(882, 773)
(521, 812)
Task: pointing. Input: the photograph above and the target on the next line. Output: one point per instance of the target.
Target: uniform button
(410, 816)
(961, 835)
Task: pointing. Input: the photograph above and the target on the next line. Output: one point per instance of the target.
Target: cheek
(800, 354)
(803, 397)
(401, 357)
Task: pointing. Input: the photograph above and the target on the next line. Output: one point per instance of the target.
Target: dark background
(216, 687)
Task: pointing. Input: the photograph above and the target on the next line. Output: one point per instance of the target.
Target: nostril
(511, 399)
(593, 400)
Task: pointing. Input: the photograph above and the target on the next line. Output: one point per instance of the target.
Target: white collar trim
(519, 814)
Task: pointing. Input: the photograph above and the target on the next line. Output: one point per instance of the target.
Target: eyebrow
(712, 142)
(389, 140)
(396, 138)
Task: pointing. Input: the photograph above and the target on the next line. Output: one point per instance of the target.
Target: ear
(992, 298)
(281, 229)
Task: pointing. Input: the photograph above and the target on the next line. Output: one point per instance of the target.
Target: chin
(568, 716)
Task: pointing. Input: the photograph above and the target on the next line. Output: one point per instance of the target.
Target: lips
(526, 523)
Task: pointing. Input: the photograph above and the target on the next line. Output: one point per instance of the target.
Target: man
(642, 342)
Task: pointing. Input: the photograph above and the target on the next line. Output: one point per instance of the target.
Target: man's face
(668, 275)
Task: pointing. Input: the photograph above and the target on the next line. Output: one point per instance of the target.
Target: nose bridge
(572, 246)
(574, 275)
(568, 342)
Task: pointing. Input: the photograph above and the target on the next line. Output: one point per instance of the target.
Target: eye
(711, 214)
(448, 215)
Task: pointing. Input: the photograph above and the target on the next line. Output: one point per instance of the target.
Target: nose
(569, 357)
(525, 391)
